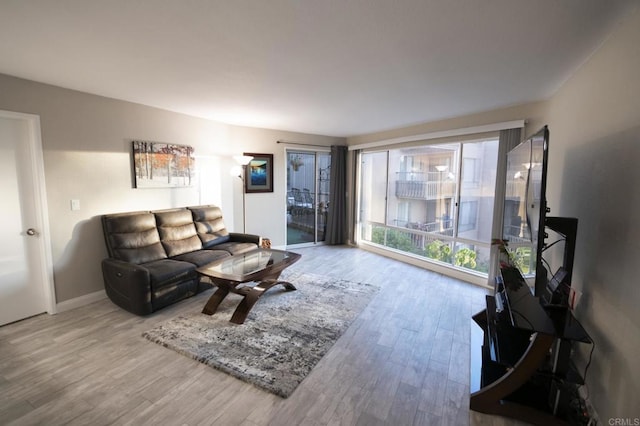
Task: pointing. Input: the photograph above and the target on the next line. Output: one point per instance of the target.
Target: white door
(25, 284)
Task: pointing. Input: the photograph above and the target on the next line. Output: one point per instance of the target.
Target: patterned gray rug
(283, 338)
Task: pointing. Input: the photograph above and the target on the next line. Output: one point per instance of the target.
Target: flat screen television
(525, 206)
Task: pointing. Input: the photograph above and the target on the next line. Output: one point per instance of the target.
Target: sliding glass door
(307, 196)
(431, 201)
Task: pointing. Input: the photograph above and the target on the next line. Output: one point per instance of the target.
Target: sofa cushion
(133, 237)
(177, 231)
(209, 225)
(236, 248)
(202, 257)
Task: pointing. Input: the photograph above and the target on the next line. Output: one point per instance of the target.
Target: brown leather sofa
(153, 255)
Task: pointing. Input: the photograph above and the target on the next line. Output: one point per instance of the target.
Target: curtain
(337, 214)
(508, 140)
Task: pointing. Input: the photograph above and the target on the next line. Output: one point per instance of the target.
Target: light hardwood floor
(404, 361)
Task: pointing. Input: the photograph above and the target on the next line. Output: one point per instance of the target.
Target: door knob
(31, 232)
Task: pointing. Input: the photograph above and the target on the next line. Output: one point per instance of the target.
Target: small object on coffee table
(263, 266)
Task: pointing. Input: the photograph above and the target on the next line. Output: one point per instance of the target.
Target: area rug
(282, 339)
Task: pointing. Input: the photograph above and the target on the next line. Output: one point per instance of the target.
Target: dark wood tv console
(521, 363)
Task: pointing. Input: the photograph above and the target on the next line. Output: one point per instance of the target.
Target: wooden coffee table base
(251, 295)
(262, 266)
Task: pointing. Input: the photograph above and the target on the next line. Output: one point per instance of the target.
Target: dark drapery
(337, 214)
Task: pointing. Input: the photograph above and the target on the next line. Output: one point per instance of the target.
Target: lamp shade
(236, 171)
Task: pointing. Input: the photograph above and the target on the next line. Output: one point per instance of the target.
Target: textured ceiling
(329, 67)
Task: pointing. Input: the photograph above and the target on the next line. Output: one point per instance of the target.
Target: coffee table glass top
(241, 267)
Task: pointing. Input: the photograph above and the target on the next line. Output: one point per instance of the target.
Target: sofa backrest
(133, 237)
(141, 237)
(177, 231)
(209, 225)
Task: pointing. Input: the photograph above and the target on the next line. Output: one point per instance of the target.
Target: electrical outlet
(75, 205)
(574, 298)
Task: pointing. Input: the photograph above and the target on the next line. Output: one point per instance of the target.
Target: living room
(594, 118)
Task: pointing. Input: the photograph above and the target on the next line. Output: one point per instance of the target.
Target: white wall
(594, 172)
(534, 113)
(87, 154)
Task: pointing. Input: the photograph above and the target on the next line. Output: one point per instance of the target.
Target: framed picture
(259, 173)
(162, 165)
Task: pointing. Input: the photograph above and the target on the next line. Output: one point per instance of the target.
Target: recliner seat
(153, 255)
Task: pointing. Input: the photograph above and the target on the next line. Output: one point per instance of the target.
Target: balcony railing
(440, 246)
(431, 190)
(438, 226)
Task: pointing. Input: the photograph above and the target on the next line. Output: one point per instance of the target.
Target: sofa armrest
(245, 238)
(128, 285)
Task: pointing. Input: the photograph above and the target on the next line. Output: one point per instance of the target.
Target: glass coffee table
(262, 266)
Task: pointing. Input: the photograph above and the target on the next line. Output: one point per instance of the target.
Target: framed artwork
(163, 165)
(259, 173)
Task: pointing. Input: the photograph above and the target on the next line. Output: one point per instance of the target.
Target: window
(468, 215)
(403, 214)
(470, 171)
(431, 201)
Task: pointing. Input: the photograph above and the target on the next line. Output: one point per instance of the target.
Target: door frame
(315, 151)
(36, 159)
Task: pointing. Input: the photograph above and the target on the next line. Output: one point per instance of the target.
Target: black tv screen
(537, 187)
(525, 201)
(516, 225)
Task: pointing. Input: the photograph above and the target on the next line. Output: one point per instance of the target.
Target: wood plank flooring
(404, 361)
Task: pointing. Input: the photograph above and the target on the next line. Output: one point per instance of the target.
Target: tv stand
(523, 369)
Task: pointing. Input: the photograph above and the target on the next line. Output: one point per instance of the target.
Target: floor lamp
(241, 171)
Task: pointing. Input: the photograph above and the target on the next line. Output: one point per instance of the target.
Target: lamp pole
(242, 161)
(244, 194)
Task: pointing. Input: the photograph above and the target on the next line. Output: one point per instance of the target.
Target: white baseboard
(77, 302)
